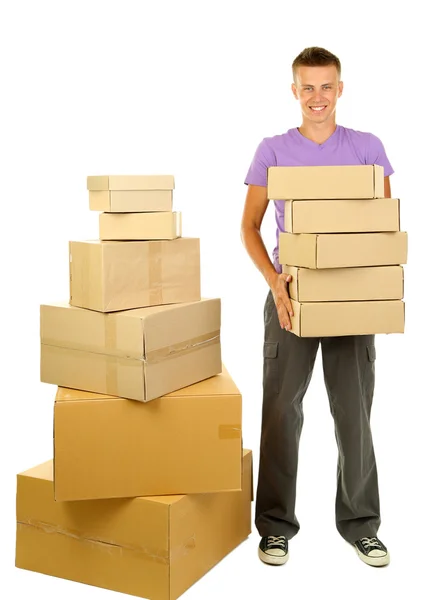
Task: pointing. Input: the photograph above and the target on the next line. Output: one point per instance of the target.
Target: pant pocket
(369, 371)
(271, 379)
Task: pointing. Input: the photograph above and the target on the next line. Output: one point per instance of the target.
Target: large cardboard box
(346, 284)
(130, 182)
(155, 547)
(341, 216)
(109, 276)
(140, 354)
(131, 200)
(334, 250)
(185, 442)
(325, 319)
(140, 226)
(328, 182)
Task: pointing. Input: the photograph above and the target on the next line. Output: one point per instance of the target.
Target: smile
(317, 109)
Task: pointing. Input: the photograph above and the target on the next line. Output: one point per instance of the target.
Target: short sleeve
(264, 157)
(376, 155)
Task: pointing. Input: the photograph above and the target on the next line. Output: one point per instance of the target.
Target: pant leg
(349, 370)
(287, 369)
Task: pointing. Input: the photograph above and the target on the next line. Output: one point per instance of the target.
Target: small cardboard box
(328, 183)
(185, 442)
(140, 226)
(155, 547)
(346, 284)
(139, 354)
(131, 201)
(325, 319)
(334, 250)
(341, 216)
(110, 276)
(130, 182)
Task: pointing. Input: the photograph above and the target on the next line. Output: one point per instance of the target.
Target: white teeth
(317, 108)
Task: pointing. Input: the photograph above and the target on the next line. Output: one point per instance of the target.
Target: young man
(348, 361)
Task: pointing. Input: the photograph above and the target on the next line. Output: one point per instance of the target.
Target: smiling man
(348, 361)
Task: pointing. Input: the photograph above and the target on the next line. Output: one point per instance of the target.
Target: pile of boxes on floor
(147, 421)
(343, 247)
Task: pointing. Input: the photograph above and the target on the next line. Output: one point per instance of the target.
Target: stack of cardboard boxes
(147, 421)
(343, 247)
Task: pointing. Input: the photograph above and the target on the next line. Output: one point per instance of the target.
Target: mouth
(318, 109)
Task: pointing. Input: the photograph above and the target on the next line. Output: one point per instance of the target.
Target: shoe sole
(379, 561)
(272, 560)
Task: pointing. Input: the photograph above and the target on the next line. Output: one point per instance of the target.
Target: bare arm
(254, 210)
(387, 188)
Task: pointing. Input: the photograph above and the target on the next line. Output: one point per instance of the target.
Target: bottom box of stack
(154, 547)
(325, 319)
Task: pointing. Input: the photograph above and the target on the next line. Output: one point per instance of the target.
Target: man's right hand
(282, 300)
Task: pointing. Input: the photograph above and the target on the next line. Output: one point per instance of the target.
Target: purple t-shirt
(344, 147)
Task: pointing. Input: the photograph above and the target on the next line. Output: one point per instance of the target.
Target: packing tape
(229, 432)
(111, 366)
(184, 347)
(155, 274)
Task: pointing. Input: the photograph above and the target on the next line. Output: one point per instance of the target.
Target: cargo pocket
(270, 368)
(369, 371)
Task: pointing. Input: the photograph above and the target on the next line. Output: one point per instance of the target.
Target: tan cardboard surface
(346, 284)
(324, 319)
(140, 354)
(140, 226)
(131, 200)
(130, 182)
(341, 216)
(154, 547)
(111, 276)
(329, 182)
(322, 251)
(186, 442)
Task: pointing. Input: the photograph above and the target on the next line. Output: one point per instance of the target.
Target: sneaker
(372, 551)
(273, 550)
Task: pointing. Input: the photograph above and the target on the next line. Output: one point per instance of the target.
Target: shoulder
(361, 138)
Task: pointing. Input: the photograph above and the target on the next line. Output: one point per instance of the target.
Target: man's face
(317, 89)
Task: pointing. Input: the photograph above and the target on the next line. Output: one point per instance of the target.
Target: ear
(294, 90)
(340, 88)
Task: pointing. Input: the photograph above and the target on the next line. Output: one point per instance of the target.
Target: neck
(317, 132)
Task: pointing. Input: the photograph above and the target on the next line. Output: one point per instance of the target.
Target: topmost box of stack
(326, 182)
(131, 193)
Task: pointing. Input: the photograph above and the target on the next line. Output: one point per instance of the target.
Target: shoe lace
(276, 541)
(371, 542)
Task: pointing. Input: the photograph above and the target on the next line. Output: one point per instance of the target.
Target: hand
(282, 300)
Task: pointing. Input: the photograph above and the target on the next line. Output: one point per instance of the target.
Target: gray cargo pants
(348, 364)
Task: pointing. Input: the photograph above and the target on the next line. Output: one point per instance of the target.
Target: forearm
(255, 247)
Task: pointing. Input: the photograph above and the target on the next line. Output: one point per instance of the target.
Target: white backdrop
(190, 88)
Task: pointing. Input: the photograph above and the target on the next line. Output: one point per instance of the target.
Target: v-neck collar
(309, 141)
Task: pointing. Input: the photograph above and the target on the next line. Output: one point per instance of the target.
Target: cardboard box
(109, 276)
(140, 354)
(131, 200)
(130, 182)
(328, 183)
(341, 216)
(140, 226)
(346, 284)
(333, 250)
(325, 319)
(154, 547)
(185, 442)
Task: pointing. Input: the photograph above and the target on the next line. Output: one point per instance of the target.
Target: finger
(284, 318)
(285, 299)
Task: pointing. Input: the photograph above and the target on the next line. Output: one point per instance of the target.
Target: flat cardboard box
(325, 319)
(139, 354)
(328, 182)
(110, 276)
(185, 442)
(131, 200)
(155, 547)
(130, 182)
(346, 284)
(341, 216)
(140, 226)
(334, 250)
